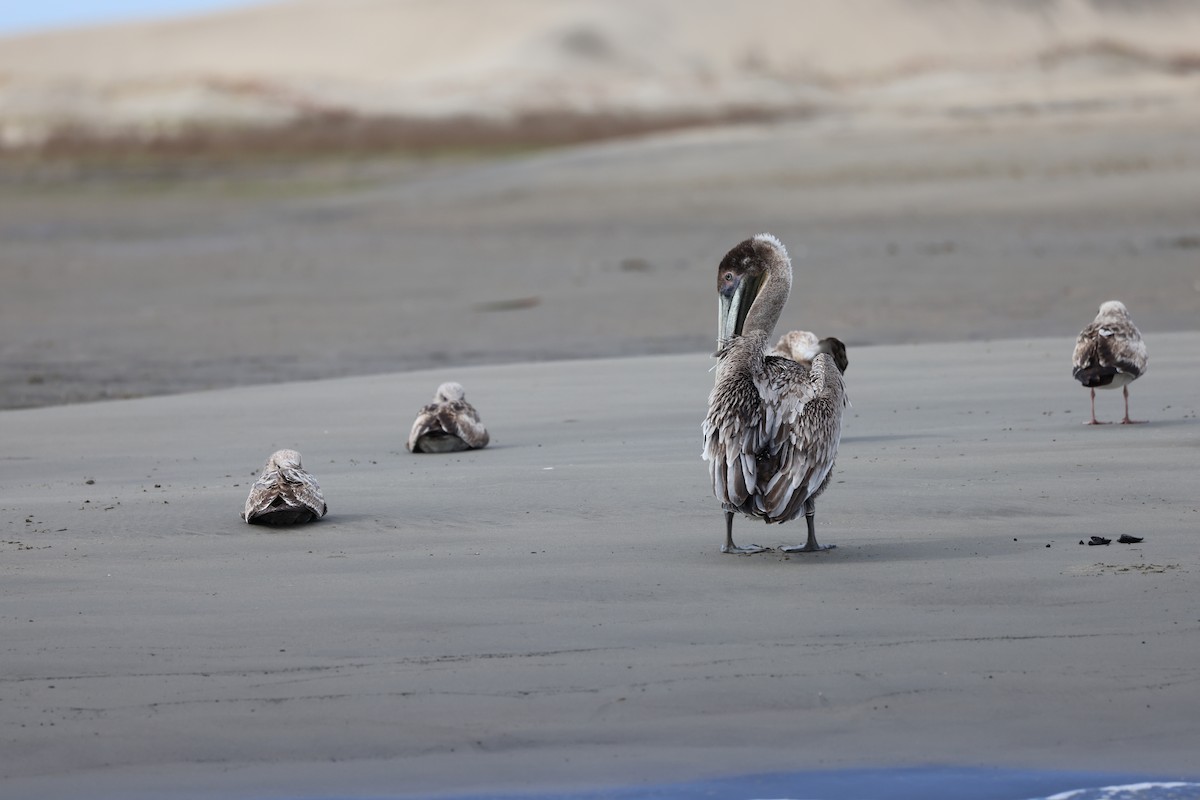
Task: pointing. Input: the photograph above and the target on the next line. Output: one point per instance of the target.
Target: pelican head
(753, 282)
(1114, 308)
(450, 392)
(284, 459)
(836, 348)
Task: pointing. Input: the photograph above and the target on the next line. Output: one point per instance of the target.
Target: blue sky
(20, 16)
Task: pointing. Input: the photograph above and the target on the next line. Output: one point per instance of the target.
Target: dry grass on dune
(345, 131)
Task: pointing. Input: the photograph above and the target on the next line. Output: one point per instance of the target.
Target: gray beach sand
(901, 230)
(554, 610)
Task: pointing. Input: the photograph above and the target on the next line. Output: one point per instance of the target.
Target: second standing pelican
(803, 346)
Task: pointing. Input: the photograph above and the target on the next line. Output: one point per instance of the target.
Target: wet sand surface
(554, 611)
(136, 281)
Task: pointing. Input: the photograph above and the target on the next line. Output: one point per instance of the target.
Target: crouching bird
(284, 494)
(447, 425)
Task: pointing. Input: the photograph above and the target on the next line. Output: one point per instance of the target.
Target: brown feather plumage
(448, 424)
(773, 425)
(284, 494)
(1109, 354)
(772, 430)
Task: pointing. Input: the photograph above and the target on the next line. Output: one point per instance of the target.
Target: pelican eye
(728, 276)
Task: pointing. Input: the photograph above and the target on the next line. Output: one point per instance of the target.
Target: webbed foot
(805, 548)
(744, 550)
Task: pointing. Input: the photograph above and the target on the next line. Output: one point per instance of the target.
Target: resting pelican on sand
(1110, 353)
(448, 424)
(285, 494)
(773, 425)
(803, 346)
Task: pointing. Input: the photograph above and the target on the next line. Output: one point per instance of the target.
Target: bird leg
(1127, 420)
(811, 545)
(1094, 420)
(730, 547)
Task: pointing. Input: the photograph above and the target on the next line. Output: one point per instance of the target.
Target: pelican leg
(1096, 421)
(730, 547)
(811, 545)
(1127, 420)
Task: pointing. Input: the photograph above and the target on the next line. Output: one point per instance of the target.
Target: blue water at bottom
(918, 783)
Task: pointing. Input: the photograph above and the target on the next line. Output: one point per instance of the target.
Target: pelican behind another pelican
(773, 425)
(803, 346)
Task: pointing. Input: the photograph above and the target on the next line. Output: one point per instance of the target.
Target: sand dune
(659, 59)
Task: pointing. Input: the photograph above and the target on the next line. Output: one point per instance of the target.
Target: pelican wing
(461, 419)
(732, 430)
(802, 430)
(426, 421)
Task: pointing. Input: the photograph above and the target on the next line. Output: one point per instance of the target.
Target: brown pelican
(773, 425)
(802, 346)
(1110, 353)
(448, 424)
(285, 494)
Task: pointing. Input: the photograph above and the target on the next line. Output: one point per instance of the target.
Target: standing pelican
(285, 494)
(773, 425)
(803, 346)
(448, 424)
(1110, 353)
